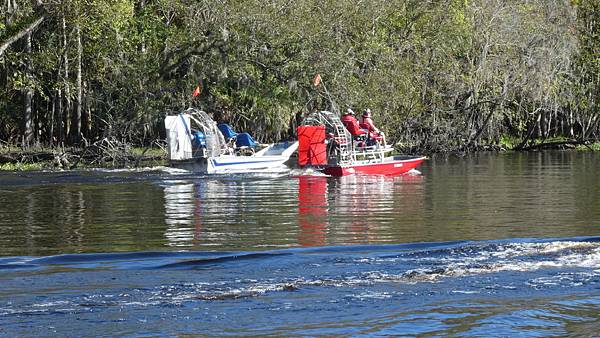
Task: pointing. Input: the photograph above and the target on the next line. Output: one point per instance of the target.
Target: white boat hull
(235, 164)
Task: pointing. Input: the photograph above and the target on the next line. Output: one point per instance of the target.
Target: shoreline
(59, 158)
(13, 158)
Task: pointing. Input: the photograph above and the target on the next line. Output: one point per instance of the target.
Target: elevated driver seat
(237, 140)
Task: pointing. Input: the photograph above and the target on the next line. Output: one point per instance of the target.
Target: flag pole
(318, 81)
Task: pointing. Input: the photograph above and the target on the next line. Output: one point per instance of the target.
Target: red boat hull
(390, 167)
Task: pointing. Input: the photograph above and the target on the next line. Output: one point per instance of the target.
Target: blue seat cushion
(245, 140)
(227, 131)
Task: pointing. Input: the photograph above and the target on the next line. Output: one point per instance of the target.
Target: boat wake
(305, 280)
(425, 262)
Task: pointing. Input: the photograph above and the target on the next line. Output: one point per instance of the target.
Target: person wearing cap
(367, 123)
(351, 123)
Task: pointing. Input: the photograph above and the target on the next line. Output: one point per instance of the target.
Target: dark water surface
(489, 244)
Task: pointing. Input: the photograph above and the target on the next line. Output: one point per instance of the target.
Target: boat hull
(240, 165)
(231, 165)
(270, 161)
(390, 166)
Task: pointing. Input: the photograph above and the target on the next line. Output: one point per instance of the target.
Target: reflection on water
(313, 210)
(330, 211)
(484, 196)
(183, 211)
(369, 207)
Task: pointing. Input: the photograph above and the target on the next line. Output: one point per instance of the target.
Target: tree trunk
(531, 130)
(76, 123)
(11, 9)
(51, 127)
(28, 100)
(571, 123)
(542, 126)
(142, 5)
(67, 108)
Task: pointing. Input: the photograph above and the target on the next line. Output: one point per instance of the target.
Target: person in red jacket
(367, 124)
(351, 123)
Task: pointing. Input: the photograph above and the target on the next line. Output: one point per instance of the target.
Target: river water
(482, 245)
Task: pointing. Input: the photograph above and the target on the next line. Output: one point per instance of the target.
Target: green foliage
(590, 147)
(21, 166)
(438, 75)
(508, 142)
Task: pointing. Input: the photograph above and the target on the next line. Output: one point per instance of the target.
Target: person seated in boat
(374, 134)
(351, 123)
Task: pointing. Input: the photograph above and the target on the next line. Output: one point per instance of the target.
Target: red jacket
(351, 124)
(367, 123)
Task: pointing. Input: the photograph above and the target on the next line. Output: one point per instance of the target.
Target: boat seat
(245, 140)
(372, 136)
(354, 128)
(238, 140)
(198, 139)
(227, 131)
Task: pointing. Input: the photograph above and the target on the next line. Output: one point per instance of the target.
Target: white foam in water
(511, 259)
(172, 171)
(255, 289)
(372, 295)
(591, 260)
(461, 262)
(519, 257)
(137, 170)
(6, 311)
(526, 249)
(413, 172)
(464, 292)
(276, 172)
(53, 304)
(306, 172)
(571, 279)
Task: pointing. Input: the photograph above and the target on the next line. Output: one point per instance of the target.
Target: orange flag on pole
(317, 80)
(198, 90)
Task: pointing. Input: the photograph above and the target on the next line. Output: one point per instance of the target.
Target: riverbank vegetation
(438, 75)
(104, 154)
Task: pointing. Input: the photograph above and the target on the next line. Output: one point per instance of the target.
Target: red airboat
(325, 144)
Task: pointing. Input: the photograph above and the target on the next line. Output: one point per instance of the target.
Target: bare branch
(20, 34)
